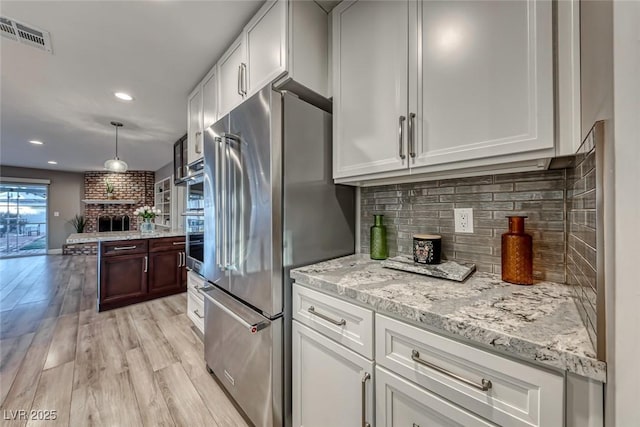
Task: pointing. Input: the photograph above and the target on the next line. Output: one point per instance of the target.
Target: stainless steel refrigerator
(270, 205)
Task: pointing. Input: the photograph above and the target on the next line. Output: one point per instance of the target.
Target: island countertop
(539, 323)
(108, 236)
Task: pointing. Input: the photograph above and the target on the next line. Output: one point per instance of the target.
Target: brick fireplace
(132, 185)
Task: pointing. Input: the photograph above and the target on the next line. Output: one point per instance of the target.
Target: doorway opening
(23, 219)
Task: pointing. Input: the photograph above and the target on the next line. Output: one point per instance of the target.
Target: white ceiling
(155, 50)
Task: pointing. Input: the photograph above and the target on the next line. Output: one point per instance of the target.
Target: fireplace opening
(113, 223)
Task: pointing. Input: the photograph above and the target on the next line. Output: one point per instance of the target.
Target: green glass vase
(378, 242)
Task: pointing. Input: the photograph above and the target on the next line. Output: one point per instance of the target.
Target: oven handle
(252, 327)
(190, 213)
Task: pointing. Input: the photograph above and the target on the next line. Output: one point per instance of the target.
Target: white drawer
(194, 281)
(519, 394)
(195, 309)
(400, 403)
(346, 323)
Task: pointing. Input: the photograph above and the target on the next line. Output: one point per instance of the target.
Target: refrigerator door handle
(235, 209)
(231, 136)
(220, 233)
(229, 235)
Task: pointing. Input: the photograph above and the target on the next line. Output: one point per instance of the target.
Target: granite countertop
(539, 323)
(107, 236)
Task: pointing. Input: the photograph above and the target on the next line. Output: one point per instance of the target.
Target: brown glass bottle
(517, 253)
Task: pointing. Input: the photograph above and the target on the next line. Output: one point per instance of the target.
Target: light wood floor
(140, 365)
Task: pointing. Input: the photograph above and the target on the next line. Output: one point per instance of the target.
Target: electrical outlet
(56, 213)
(464, 220)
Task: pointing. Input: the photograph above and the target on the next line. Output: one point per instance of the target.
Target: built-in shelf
(109, 202)
(163, 198)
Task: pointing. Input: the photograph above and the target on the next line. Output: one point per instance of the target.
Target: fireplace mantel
(109, 202)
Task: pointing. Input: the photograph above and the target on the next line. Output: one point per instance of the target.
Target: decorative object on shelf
(450, 270)
(378, 242)
(79, 222)
(147, 213)
(115, 164)
(110, 188)
(517, 253)
(427, 248)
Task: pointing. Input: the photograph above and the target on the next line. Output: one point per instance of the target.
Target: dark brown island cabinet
(132, 271)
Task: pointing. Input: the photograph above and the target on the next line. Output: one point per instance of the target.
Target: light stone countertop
(108, 236)
(538, 323)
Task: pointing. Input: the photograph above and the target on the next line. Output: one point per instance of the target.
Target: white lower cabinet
(195, 301)
(504, 391)
(400, 403)
(332, 385)
(421, 378)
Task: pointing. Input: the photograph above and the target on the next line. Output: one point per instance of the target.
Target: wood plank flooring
(140, 365)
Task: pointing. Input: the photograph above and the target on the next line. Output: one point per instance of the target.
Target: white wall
(165, 171)
(623, 388)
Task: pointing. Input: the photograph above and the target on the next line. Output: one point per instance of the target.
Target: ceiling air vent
(26, 34)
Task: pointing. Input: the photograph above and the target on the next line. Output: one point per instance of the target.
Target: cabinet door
(400, 403)
(123, 277)
(370, 84)
(209, 101)
(194, 126)
(266, 39)
(165, 272)
(229, 77)
(178, 164)
(327, 382)
(484, 86)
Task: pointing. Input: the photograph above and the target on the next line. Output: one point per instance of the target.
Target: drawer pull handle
(178, 243)
(340, 322)
(123, 248)
(198, 314)
(483, 386)
(366, 377)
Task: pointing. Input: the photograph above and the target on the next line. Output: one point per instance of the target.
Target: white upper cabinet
(210, 99)
(430, 88)
(231, 76)
(370, 78)
(194, 125)
(485, 80)
(266, 39)
(568, 102)
(284, 40)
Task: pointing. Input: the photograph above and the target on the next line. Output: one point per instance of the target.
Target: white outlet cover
(463, 220)
(56, 213)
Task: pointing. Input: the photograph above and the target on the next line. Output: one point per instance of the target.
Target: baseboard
(54, 251)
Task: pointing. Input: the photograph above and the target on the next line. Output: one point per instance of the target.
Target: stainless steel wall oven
(194, 222)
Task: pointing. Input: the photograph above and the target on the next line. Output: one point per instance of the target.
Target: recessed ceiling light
(36, 142)
(123, 96)
(52, 162)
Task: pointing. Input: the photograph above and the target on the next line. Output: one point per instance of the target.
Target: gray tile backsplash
(427, 207)
(581, 235)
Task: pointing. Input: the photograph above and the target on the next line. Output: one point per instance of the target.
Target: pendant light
(116, 165)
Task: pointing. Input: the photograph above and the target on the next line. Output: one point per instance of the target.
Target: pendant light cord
(117, 125)
(117, 158)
